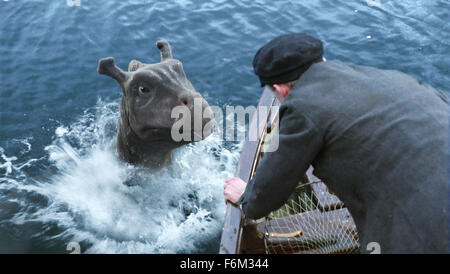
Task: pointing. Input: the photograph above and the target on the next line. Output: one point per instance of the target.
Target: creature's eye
(143, 90)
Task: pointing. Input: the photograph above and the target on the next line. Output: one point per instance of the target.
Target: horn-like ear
(134, 65)
(165, 49)
(106, 66)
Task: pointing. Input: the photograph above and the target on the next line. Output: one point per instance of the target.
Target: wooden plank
(252, 241)
(325, 199)
(250, 148)
(232, 230)
(231, 234)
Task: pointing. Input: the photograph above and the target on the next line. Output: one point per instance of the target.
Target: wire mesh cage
(303, 225)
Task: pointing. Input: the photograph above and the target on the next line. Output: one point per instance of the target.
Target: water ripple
(50, 107)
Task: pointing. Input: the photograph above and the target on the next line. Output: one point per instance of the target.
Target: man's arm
(281, 171)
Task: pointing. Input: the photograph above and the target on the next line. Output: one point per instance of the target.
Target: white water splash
(7, 164)
(178, 209)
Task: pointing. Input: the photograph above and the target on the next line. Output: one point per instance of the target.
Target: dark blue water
(60, 180)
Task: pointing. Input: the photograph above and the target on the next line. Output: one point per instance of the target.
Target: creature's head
(151, 92)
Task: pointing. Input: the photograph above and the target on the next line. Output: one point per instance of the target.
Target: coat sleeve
(279, 172)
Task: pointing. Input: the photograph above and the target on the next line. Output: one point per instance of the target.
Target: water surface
(60, 180)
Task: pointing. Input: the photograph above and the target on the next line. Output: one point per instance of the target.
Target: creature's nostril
(184, 100)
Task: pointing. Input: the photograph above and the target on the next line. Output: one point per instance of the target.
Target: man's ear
(282, 89)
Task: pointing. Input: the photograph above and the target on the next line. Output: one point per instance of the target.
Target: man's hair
(291, 84)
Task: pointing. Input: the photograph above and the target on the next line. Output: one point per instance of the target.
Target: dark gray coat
(378, 139)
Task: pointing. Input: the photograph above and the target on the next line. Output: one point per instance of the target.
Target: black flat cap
(286, 58)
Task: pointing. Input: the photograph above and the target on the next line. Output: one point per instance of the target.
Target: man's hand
(233, 189)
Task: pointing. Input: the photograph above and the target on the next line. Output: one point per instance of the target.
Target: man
(377, 138)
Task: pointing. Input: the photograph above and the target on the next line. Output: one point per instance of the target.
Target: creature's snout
(197, 118)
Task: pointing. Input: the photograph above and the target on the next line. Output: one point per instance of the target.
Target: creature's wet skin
(150, 93)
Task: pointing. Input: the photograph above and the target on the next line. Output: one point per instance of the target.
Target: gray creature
(150, 93)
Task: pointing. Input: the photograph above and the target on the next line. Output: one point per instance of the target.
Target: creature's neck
(133, 150)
